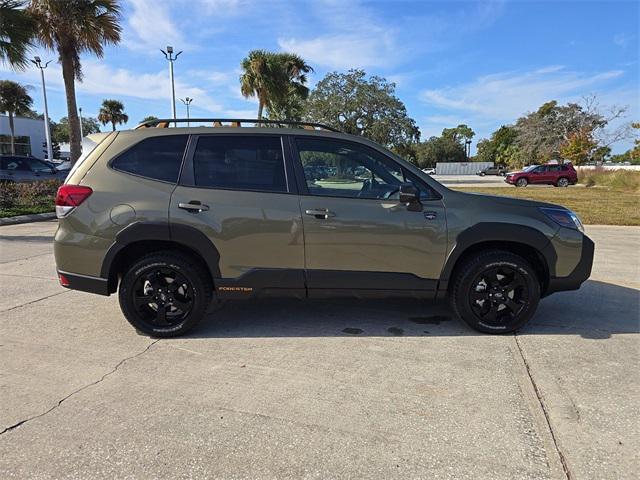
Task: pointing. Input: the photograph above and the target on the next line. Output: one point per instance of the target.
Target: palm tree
(73, 27)
(17, 29)
(272, 78)
(257, 79)
(14, 100)
(287, 103)
(112, 111)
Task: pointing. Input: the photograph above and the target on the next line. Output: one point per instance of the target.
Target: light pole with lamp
(171, 58)
(187, 101)
(47, 132)
(81, 133)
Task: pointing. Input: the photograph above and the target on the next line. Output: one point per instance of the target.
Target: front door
(357, 233)
(236, 190)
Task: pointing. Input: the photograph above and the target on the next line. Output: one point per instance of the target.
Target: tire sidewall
(522, 182)
(462, 305)
(125, 295)
(563, 182)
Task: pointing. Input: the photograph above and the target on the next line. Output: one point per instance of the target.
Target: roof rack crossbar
(234, 122)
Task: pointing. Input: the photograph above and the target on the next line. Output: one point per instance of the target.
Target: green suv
(173, 217)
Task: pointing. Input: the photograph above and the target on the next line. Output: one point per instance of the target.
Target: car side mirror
(410, 195)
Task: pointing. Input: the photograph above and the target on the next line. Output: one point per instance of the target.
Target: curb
(36, 217)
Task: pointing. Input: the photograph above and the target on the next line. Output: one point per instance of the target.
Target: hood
(507, 201)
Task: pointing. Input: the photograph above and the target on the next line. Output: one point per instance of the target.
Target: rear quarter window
(159, 158)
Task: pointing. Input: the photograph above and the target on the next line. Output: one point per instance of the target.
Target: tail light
(69, 197)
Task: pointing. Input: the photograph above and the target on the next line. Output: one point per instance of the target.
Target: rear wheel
(165, 294)
(495, 292)
(562, 182)
(522, 182)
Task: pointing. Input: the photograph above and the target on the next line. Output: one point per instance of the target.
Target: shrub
(624, 180)
(34, 197)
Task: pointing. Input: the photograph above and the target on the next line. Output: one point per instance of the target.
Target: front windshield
(529, 168)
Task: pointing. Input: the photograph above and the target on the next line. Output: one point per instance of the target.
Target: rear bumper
(581, 273)
(84, 283)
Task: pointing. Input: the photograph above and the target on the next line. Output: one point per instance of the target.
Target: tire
(562, 182)
(151, 303)
(481, 294)
(482, 174)
(522, 182)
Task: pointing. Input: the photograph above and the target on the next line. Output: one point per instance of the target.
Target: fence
(461, 168)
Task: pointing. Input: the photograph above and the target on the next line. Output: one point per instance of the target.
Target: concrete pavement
(339, 389)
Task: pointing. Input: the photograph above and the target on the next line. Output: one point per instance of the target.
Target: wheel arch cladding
(522, 240)
(140, 238)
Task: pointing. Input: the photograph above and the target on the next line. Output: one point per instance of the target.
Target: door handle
(320, 213)
(194, 206)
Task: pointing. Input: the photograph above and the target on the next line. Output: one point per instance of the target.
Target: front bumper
(510, 180)
(580, 273)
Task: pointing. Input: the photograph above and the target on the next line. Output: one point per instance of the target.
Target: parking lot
(322, 389)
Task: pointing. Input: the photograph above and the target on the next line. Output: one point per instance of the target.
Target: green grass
(594, 205)
(44, 207)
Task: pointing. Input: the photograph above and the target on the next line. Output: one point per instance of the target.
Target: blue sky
(480, 63)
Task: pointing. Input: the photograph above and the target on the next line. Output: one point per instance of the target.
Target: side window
(554, 168)
(239, 162)
(17, 164)
(345, 169)
(38, 166)
(156, 157)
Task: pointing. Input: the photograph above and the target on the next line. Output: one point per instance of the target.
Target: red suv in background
(550, 174)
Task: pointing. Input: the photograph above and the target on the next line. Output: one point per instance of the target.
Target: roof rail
(233, 122)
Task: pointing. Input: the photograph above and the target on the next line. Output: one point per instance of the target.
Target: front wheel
(165, 294)
(522, 182)
(495, 292)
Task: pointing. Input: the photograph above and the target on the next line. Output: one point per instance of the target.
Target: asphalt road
(278, 389)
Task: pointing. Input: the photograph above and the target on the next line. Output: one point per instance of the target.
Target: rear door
(237, 189)
(358, 236)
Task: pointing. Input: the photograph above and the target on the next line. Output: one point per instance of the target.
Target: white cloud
(151, 27)
(623, 39)
(343, 51)
(506, 96)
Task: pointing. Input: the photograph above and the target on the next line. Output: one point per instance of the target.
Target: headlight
(563, 217)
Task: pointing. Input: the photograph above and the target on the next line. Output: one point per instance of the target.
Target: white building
(29, 134)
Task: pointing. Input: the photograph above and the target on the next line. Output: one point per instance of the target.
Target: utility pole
(47, 131)
(171, 58)
(187, 101)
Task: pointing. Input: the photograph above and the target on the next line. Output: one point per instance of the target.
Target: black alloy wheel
(165, 294)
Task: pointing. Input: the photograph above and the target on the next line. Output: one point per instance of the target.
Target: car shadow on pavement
(597, 311)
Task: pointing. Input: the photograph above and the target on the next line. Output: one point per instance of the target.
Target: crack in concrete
(563, 460)
(34, 301)
(61, 401)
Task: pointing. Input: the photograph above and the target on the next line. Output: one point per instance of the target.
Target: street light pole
(187, 101)
(81, 133)
(171, 58)
(47, 132)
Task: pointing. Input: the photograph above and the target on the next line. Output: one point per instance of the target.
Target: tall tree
(73, 27)
(277, 80)
(16, 33)
(60, 131)
(287, 102)
(500, 148)
(257, 79)
(364, 106)
(14, 100)
(112, 111)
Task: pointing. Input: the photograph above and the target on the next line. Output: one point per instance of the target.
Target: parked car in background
(14, 168)
(429, 171)
(551, 174)
(497, 170)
